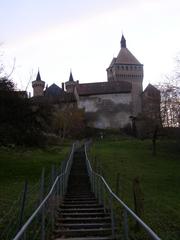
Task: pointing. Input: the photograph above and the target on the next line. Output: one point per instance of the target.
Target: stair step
(86, 197)
(87, 238)
(80, 198)
(84, 219)
(69, 206)
(77, 201)
(83, 225)
(75, 214)
(83, 232)
(80, 216)
(81, 210)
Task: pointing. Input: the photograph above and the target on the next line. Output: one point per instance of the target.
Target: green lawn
(159, 179)
(16, 165)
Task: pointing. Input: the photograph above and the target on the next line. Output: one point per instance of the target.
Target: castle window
(122, 67)
(126, 67)
(99, 100)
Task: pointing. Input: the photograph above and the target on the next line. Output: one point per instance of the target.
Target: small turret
(70, 85)
(38, 86)
(71, 77)
(123, 42)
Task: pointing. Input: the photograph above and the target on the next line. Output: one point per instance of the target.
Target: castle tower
(38, 86)
(125, 67)
(70, 85)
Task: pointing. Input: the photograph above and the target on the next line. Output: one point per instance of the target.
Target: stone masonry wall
(107, 110)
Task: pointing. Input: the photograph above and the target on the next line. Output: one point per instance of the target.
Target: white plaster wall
(116, 121)
(109, 110)
(89, 103)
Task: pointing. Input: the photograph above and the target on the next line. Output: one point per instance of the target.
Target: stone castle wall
(107, 110)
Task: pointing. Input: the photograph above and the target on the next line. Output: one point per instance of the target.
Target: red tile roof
(103, 88)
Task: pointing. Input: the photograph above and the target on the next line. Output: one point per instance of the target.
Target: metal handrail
(44, 201)
(149, 231)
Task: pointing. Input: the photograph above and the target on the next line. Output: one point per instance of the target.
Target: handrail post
(103, 198)
(43, 209)
(52, 174)
(100, 185)
(23, 204)
(126, 230)
(117, 183)
(112, 217)
(60, 183)
(63, 177)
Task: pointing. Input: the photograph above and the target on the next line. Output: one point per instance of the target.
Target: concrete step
(81, 210)
(83, 225)
(79, 202)
(87, 238)
(89, 214)
(83, 232)
(84, 205)
(93, 219)
(80, 216)
(79, 194)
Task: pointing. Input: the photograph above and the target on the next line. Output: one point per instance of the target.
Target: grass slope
(159, 178)
(16, 165)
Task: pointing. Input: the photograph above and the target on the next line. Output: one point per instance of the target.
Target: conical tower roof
(71, 79)
(125, 56)
(38, 77)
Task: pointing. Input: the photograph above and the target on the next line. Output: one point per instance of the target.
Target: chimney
(63, 86)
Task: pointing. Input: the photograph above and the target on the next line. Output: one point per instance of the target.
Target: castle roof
(112, 62)
(151, 89)
(103, 88)
(53, 90)
(38, 77)
(124, 56)
(71, 79)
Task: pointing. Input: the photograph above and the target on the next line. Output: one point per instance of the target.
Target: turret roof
(53, 90)
(124, 56)
(38, 77)
(71, 77)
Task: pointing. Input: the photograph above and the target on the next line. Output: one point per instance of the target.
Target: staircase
(80, 216)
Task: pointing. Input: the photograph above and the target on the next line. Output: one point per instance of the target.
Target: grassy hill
(159, 179)
(18, 165)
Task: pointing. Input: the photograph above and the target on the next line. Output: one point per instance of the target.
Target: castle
(111, 104)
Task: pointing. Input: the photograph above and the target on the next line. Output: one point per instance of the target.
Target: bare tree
(170, 100)
(68, 121)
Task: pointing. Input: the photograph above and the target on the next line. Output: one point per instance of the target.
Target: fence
(130, 226)
(43, 198)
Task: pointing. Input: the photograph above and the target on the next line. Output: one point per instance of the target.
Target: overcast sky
(58, 35)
